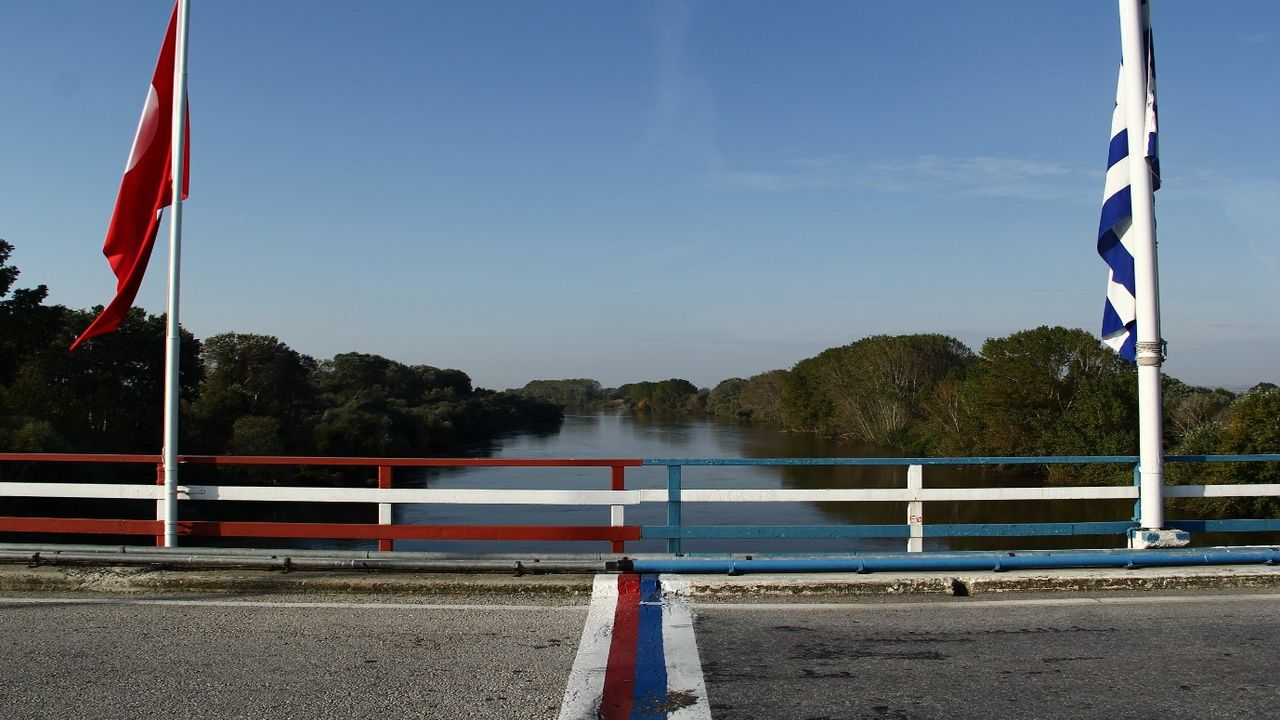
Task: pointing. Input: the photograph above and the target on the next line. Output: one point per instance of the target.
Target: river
(622, 435)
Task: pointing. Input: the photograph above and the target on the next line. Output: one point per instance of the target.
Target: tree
(761, 396)
(380, 407)
(725, 399)
(578, 393)
(1040, 391)
(108, 395)
(1187, 408)
(1250, 425)
(8, 273)
(26, 324)
(253, 376)
(872, 390)
(667, 396)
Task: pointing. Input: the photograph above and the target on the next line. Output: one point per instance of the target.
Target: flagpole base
(1146, 539)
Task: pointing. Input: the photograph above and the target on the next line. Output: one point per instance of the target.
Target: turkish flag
(146, 188)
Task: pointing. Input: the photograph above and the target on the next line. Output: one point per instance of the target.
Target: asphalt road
(276, 659)
(217, 656)
(1169, 656)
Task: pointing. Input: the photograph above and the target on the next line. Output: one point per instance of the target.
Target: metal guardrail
(617, 497)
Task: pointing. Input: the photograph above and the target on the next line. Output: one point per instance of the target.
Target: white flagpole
(173, 337)
(1150, 353)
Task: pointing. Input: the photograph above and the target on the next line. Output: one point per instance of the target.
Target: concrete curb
(143, 580)
(770, 588)
(762, 587)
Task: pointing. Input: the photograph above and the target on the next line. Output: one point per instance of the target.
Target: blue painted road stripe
(650, 697)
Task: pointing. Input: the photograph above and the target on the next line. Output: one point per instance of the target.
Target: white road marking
(684, 666)
(277, 604)
(585, 687)
(971, 604)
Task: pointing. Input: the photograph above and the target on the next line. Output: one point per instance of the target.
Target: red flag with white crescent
(147, 188)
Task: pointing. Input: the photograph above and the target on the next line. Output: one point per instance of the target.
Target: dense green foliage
(761, 396)
(871, 390)
(1249, 424)
(572, 394)
(1041, 392)
(240, 393)
(725, 399)
(666, 396)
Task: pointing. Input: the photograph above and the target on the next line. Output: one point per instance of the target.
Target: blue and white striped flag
(1115, 242)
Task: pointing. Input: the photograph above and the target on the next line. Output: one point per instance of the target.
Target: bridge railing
(383, 495)
(915, 494)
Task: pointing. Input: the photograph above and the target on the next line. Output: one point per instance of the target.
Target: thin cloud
(1254, 208)
(958, 177)
(683, 114)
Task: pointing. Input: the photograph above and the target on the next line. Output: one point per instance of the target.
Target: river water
(622, 435)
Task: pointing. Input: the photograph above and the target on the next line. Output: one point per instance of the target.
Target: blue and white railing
(916, 494)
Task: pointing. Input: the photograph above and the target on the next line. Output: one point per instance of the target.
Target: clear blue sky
(644, 190)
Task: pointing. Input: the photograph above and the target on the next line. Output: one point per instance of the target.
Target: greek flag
(1115, 242)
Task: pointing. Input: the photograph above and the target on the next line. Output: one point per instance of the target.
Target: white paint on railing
(915, 509)
(616, 498)
(82, 490)
(488, 496)
(1125, 492)
(1190, 491)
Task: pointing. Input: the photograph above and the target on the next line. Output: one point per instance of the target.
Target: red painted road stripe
(620, 673)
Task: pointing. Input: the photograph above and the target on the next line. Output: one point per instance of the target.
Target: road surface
(1205, 654)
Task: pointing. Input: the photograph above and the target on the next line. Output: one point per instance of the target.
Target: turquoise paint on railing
(900, 461)
(1236, 525)
(674, 532)
(834, 532)
(772, 532)
(673, 506)
(993, 460)
(1029, 529)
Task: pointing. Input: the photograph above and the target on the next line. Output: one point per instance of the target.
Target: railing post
(384, 509)
(160, 505)
(915, 509)
(617, 517)
(1137, 504)
(673, 506)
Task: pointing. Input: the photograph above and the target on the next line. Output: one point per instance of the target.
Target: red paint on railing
(617, 536)
(618, 481)
(384, 482)
(403, 462)
(327, 461)
(78, 457)
(82, 526)
(160, 505)
(355, 531)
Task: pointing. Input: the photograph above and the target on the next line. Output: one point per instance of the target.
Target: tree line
(1049, 391)
(240, 393)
